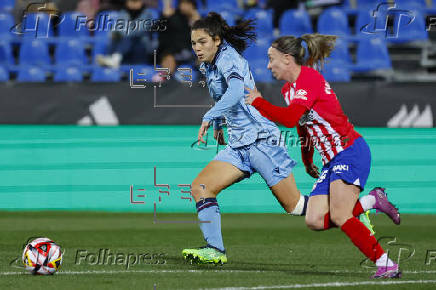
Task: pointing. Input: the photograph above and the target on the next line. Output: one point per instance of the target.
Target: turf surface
(263, 249)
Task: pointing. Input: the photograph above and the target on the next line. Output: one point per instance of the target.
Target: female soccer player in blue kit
(253, 144)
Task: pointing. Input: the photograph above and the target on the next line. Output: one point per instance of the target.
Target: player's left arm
(235, 89)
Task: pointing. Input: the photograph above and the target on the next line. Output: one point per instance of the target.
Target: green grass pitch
(265, 251)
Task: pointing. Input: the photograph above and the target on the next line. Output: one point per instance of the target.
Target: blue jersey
(226, 77)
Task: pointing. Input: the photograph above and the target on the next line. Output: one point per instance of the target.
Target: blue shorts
(351, 165)
(272, 162)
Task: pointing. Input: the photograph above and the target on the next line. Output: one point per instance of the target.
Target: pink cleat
(387, 272)
(382, 204)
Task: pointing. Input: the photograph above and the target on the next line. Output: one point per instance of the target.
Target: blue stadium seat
(336, 72)
(228, 16)
(264, 20)
(6, 57)
(102, 38)
(31, 74)
(73, 24)
(372, 54)
(333, 21)
(340, 53)
(7, 5)
(368, 4)
(6, 24)
(410, 32)
(214, 5)
(37, 25)
(259, 70)
(35, 52)
(70, 52)
(403, 4)
(69, 74)
(4, 74)
(258, 50)
(102, 74)
(370, 23)
(295, 22)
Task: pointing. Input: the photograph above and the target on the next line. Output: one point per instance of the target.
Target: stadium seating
(4, 74)
(70, 52)
(34, 52)
(263, 19)
(259, 70)
(102, 74)
(31, 74)
(214, 5)
(368, 4)
(37, 25)
(372, 54)
(257, 50)
(69, 74)
(295, 22)
(7, 5)
(70, 25)
(336, 72)
(228, 16)
(402, 4)
(340, 53)
(333, 21)
(6, 24)
(410, 32)
(6, 57)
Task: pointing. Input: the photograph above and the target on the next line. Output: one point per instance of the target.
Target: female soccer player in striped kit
(253, 144)
(315, 110)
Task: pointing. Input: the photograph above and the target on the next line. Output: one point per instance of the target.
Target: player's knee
(200, 190)
(314, 222)
(338, 217)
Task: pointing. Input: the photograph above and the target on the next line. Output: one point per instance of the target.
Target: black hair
(237, 36)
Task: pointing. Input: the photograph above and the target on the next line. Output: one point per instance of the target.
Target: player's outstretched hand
(218, 135)
(202, 131)
(252, 95)
(312, 170)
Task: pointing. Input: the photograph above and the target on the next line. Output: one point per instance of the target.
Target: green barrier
(112, 169)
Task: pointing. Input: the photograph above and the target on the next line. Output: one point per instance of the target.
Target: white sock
(384, 261)
(298, 210)
(367, 202)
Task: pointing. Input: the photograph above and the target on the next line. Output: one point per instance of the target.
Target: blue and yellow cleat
(364, 219)
(204, 255)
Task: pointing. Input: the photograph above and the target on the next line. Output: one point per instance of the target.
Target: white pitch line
(331, 284)
(193, 271)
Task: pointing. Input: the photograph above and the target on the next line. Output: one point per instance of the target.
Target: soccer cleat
(204, 255)
(382, 204)
(364, 219)
(387, 272)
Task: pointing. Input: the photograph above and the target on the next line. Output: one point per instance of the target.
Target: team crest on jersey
(301, 94)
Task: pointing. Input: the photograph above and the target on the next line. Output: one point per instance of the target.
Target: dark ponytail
(237, 36)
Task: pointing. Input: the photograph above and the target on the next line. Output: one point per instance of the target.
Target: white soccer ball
(42, 256)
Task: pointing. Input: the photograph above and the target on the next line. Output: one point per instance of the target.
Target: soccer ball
(42, 256)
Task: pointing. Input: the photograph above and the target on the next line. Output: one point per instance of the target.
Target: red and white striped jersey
(325, 123)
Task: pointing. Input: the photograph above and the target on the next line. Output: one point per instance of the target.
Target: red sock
(361, 238)
(358, 210)
(327, 222)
